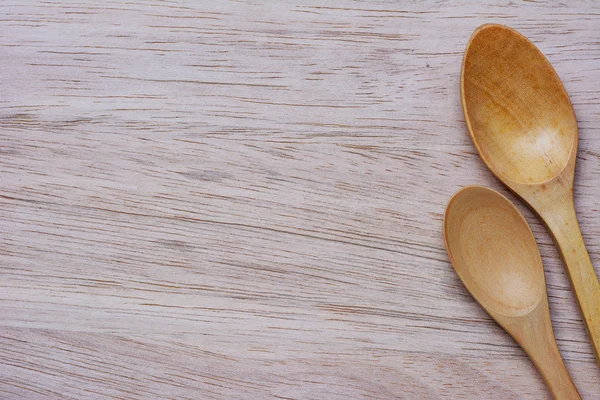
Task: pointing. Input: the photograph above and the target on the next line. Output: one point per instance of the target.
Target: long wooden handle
(562, 223)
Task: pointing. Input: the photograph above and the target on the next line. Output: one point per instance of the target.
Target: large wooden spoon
(523, 125)
(495, 255)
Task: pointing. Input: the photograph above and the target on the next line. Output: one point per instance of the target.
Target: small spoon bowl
(494, 252)
(496, 257)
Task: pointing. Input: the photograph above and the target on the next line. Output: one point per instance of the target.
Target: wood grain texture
(244, 200)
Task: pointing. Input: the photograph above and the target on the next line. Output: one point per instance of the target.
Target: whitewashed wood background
(243, 200)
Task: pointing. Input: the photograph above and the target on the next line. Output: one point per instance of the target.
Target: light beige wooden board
(244, 200)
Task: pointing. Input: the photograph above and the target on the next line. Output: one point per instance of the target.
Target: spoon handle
(540, 345)
(549, 363)
(562, 223)
(555, 375)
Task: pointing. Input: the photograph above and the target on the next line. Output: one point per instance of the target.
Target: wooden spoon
(524, 127)
(495, 255)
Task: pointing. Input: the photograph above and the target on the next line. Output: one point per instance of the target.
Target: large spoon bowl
(524, 128)
(496, 257)
(518, 112)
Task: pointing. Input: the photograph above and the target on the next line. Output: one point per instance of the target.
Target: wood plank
(244, 200)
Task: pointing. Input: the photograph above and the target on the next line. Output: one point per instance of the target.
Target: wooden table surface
(243, 200)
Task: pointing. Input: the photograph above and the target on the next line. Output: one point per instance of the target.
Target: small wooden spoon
(495, 255)
(524, 127)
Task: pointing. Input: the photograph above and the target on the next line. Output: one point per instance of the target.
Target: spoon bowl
(519, 114)
(501, 267)
(496, 257)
